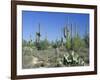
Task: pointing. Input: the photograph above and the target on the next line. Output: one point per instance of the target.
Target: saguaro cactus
(30, 43)
(67, 36)
(38, 35)
(86, 37)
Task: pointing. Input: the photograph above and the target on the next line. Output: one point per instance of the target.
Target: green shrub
(44, 44)
(78, 43)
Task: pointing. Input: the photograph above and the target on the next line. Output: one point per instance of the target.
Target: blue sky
(52, 23)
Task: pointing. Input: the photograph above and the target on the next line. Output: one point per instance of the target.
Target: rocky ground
(33, 58)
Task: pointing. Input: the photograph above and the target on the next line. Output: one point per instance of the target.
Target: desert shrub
(44, 44)
(78, 43)
(86, 40)
(29, 43)
(68, 44)
(55, 44)
(24, 43)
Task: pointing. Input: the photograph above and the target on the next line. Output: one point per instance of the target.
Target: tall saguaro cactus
(30, 41)
(38, 35)
(67, 36)
(61, 39)
(86, 37)
(71, 37)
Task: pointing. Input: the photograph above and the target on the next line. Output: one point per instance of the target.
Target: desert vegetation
(69, 50)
